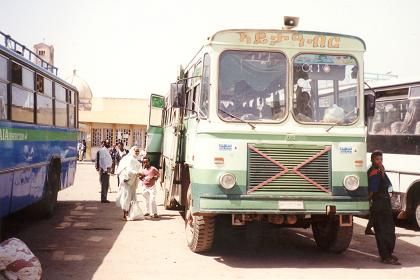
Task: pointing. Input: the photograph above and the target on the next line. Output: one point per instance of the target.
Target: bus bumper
(251, 204)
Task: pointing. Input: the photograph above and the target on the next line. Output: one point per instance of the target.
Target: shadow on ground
(80, 235)
(268, 247)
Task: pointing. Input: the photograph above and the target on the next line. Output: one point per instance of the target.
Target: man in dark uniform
(381, 211)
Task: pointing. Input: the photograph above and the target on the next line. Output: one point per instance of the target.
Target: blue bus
(38, 131)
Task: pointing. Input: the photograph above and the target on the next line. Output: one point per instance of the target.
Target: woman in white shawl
(128, 170)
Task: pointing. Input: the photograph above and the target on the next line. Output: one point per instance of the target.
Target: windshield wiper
(238, 118)
(356, 110)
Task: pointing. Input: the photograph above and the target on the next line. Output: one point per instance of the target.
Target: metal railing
(13, 45)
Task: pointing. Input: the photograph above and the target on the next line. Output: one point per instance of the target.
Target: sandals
(391, 260)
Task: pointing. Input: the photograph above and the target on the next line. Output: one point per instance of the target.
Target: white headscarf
(129, 164)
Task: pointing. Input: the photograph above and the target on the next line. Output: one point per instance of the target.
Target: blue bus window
(3, 101)
(3, 68)
(44, 110)
(60, 93)
(22, 105)
(60, 114)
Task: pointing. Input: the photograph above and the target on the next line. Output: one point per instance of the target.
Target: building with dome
(85, 93)
(116, 119)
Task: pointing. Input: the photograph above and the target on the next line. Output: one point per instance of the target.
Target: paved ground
(87, 240)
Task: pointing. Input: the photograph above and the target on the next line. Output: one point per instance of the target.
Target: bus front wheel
(199, 230)
(331, 237)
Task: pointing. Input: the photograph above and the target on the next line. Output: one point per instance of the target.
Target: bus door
(172, 148)
(155, 130)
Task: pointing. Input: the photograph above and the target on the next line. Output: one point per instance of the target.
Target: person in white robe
(128, 170)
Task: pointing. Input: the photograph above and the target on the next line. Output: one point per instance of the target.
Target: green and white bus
(265, 126)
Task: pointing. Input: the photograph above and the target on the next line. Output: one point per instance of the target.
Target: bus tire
(416, 215)
(199, 230)
(167, 202)
(45, 208)
(331, 237)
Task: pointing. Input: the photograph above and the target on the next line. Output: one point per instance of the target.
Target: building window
(138, 138)
(122, 135)
(41, 52)
(96, 137)
(108, 134)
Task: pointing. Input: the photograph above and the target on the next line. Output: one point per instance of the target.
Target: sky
(132, 48)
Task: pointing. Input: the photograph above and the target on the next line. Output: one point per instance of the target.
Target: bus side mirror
(369, 106)
(178, 95)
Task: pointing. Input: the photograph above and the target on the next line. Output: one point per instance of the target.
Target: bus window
(325, 89)
(48, 87)
(196, 93)
(414, 92)
(22, 105)
(187, 103)
(395, 117)
(252, 86)
(16, 73)
(44, 110)
(60, 93)
(22, 76)
(39, 83)
(60, 113)
(27, 78)
(3, 101)
(72, 116)
(3, 68)
(205, 90)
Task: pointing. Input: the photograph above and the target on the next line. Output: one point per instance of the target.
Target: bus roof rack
(8, 42)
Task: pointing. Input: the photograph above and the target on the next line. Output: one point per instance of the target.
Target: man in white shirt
(103, 166)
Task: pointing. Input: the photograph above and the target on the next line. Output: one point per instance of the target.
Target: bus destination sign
(302, 40)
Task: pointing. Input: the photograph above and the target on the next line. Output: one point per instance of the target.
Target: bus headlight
(351, 182)
(227, 180)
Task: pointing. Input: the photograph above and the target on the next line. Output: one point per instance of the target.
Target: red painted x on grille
(269, 180)
(308, 160)
(285, 169)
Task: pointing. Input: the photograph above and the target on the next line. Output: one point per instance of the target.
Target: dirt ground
(87, 240)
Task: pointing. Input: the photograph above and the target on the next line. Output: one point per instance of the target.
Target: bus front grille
(289, 169)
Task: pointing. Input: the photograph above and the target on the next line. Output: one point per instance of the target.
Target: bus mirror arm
(370, 103)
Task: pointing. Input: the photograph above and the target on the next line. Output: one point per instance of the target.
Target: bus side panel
(71, 174)
(5, 193)
(37, 183)
(21, 189)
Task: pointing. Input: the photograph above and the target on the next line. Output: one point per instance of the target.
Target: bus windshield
(252, 86)
(325, 89)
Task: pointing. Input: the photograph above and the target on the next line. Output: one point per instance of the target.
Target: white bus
(395, 129)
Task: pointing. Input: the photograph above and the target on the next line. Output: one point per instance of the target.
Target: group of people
(131, 169)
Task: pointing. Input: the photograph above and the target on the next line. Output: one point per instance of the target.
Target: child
(148, 176)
